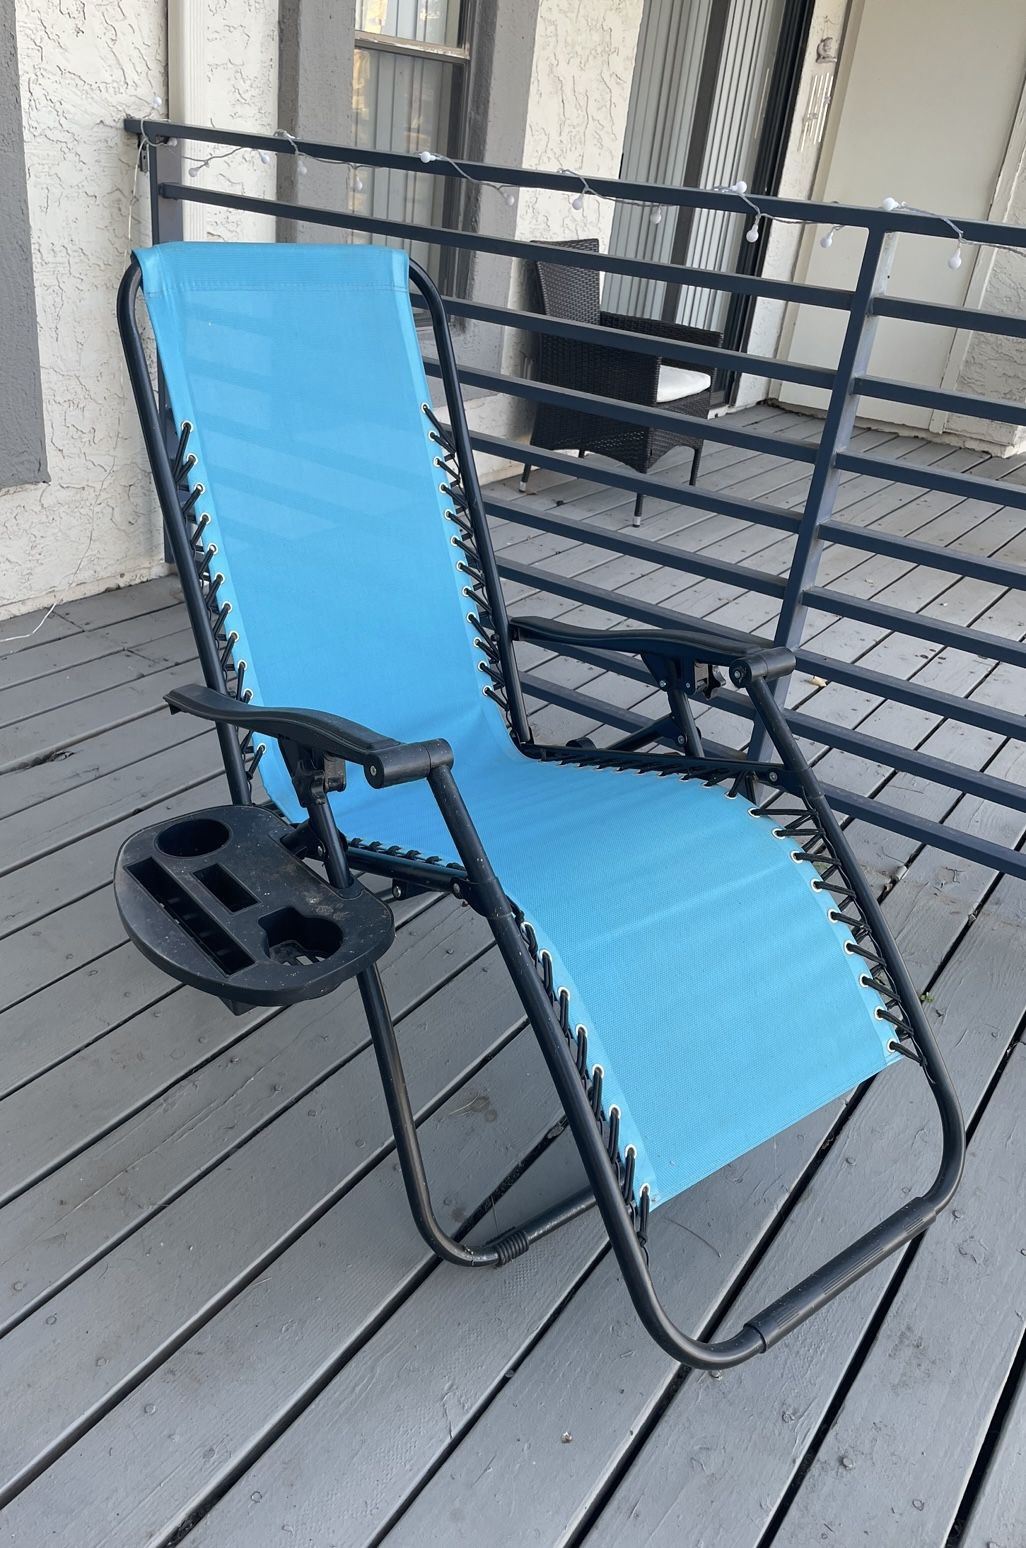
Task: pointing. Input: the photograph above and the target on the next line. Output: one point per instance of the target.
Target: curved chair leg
(638, 503)
(525, 475)
(766, 1327)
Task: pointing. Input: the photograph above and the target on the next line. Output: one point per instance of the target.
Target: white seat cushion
(676, 382)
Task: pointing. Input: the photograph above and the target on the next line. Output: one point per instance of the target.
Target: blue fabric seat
(714, 983)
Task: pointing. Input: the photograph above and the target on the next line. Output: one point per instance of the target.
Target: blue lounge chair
(701, 970)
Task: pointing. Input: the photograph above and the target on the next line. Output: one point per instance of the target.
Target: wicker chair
(556, 290)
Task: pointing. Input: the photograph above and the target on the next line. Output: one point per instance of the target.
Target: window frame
(457, 57)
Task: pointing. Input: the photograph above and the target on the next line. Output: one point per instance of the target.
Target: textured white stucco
(86, 64)
(576, 117)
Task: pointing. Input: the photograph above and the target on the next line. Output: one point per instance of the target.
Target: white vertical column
(187, 90)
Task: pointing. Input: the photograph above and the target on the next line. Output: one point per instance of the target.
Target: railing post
(164, 165)
(852, 361)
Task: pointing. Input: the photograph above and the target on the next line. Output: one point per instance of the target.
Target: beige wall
(926, 101)
(84, 65)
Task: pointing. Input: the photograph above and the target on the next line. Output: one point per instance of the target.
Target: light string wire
(739, 188)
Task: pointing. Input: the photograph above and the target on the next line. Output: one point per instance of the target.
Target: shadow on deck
(215, 1311)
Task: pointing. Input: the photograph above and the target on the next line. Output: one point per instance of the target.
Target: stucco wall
(85, 64)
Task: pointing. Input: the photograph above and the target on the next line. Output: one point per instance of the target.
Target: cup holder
(299, 939)
(194, 836)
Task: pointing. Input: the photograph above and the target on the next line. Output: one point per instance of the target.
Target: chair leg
(696, 459)
(501, 1249)
(638, 503)
(525, 475)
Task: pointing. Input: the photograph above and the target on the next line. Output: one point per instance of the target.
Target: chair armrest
(383, 760)
(745, 655)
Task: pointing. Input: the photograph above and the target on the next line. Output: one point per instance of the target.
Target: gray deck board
(216, 1318)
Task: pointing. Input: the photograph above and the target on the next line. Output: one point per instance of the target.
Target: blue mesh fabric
(715, 989)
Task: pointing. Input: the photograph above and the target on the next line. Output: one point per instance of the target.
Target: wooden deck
(218, 1323)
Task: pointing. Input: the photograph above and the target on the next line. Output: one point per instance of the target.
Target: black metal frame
(684, 661)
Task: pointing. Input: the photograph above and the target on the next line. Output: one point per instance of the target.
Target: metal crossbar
(826, 462)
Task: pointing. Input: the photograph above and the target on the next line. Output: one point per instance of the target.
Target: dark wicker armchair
(557, 290)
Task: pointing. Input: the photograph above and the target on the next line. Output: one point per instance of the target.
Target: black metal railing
(827, 460)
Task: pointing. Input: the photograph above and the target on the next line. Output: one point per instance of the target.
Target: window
(409, 79)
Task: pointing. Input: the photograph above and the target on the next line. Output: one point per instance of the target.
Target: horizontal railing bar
(933, 701)
(946, 706)
(956, 560)
(626, 412)
(663, 348)
(694, 497)
(967, 318)
(879, 814)
(689, 353)
(920, 625)
(588, 595)
(922, 830)
(934, 398)
(909, 760)
(738, 575)
(967, 485)
(509, 247)
(876, 218)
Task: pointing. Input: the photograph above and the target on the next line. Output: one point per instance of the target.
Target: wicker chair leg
(525, 475)
(638, 503)
(696, 459)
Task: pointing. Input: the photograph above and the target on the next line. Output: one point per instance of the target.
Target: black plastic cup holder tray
(217, 901)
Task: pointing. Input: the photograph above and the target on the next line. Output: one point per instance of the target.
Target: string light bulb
(828, 239)
(752, 234)
(577, 202)
(265, 157)
(955, 261)
(656, 217)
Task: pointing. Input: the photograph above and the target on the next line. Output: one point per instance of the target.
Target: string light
(657, 213)
(509, 197)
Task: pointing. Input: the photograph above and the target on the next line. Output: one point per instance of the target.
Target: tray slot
(207, 934)
(226, 888)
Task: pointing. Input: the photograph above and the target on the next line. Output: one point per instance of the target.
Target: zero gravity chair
(700, 971)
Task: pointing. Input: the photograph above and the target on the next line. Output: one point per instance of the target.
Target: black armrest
(383, 760)
(745, 655)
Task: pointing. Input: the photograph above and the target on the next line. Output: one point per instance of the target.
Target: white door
(924, 115)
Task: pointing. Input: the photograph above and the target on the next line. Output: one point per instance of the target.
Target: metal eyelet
(212, 550)
(878, 1014)
(780, 833)
(866, 981)
(849, 947)
(833, 916)
(798, 855)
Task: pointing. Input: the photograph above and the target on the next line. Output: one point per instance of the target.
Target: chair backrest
(562, 291)
(299, 368)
